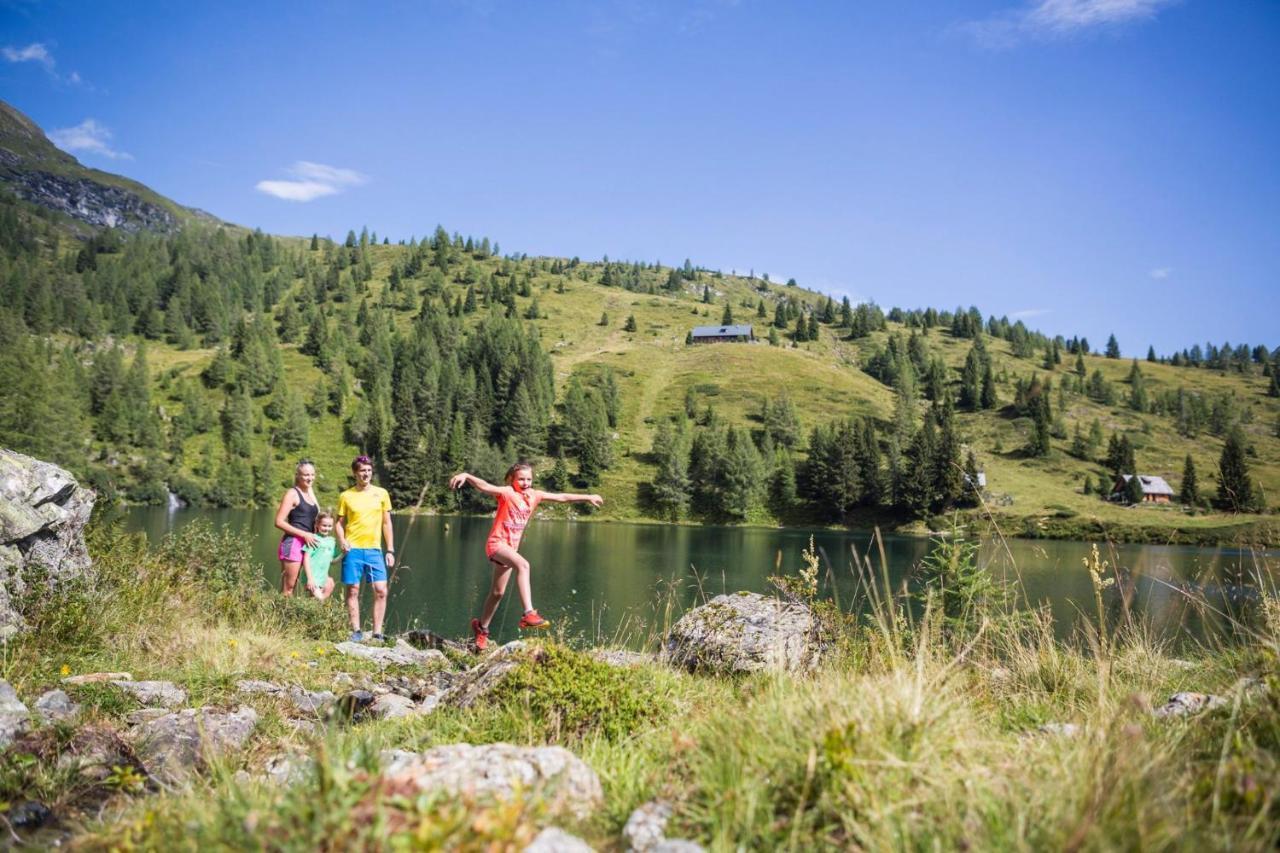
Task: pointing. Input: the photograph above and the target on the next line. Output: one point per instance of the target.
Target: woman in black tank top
(296, 516)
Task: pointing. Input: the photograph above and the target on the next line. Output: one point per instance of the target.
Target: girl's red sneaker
(533, 620)
(481, 635)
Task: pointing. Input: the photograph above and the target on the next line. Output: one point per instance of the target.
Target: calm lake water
(612, 581)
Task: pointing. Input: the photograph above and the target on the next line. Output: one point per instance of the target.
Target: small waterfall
(174, 503)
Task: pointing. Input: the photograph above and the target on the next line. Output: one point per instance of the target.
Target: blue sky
(1089, 165)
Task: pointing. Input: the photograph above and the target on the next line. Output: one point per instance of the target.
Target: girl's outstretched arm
(457, 481)
(570, 498)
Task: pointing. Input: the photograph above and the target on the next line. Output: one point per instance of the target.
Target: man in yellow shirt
(364, 520)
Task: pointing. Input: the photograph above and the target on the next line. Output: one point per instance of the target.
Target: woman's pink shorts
(290, 550)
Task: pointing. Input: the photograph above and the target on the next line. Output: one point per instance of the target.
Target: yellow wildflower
(66, 670)
(293, 655)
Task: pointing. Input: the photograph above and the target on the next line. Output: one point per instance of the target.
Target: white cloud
(1046, 19)
(313, 180)
(1161, 272)
(1028, 313)
(88, 137)
(35, 52)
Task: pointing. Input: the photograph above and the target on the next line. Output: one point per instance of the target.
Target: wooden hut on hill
(722, 334)
(1154, 489)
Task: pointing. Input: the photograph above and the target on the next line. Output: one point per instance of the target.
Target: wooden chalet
(1154, 489)
(740, 333)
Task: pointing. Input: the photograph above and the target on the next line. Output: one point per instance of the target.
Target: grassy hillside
(656, 369)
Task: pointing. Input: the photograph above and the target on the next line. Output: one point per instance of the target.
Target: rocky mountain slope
(37, 171)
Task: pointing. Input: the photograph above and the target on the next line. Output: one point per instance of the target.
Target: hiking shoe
(533, 620)
(481, 635)
(379, 638)
(357, 636)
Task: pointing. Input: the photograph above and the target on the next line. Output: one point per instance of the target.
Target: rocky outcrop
(163, 694)
(746, 632)
(43, 511)
(485, 677)
(647, 826)
(177, 745)
(563, 783)
(92, 202)
(303, 700)
(401, 654)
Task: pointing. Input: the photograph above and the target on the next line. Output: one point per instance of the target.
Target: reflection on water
(611, 580)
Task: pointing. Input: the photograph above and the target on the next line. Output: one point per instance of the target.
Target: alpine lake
(622, 584)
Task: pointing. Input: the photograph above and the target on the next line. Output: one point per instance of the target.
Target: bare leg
(508, 557)
(379, 604)
(289, 576)
(353, 605)
(323, 594)
(501, 574)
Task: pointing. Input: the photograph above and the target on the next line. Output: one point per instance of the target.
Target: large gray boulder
(746, 632)
(552, 774)
(176, 745)
(43, 511)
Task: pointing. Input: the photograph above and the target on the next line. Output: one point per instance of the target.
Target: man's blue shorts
(366, 563)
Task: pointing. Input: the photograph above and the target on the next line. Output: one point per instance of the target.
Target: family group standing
(362, 523)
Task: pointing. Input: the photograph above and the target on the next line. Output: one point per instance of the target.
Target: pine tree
(604, 319)
(761, 312)
(989, 399)
(671, 490)
(743, 475)
(1133, 490)
(1189, 494)
(630, 325)
(1080, 368)
(1113, 347)
(726, 319)
(1151, 354)
(1235, 487)
(780, 315)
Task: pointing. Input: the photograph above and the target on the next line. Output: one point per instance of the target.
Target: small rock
(354, 705)
(746, 632)
(164, 694)
(311, 701)
(252, 686)
(343, 679)
(391, 706)
(566, 784)
(13, 715)
(622, 657)
(431, 640)
(55, 706)
(179, 743)
(402, 654)
(556, 840)
(28, 815)
(97, 677)
(286, 768)
(1060, 729)
(676, 845)
(1186, 704)
(145, 715)
(647, 826)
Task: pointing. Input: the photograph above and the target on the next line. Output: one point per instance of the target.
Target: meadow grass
(921, 730)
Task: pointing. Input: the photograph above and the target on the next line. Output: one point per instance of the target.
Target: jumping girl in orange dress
(516, 502)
